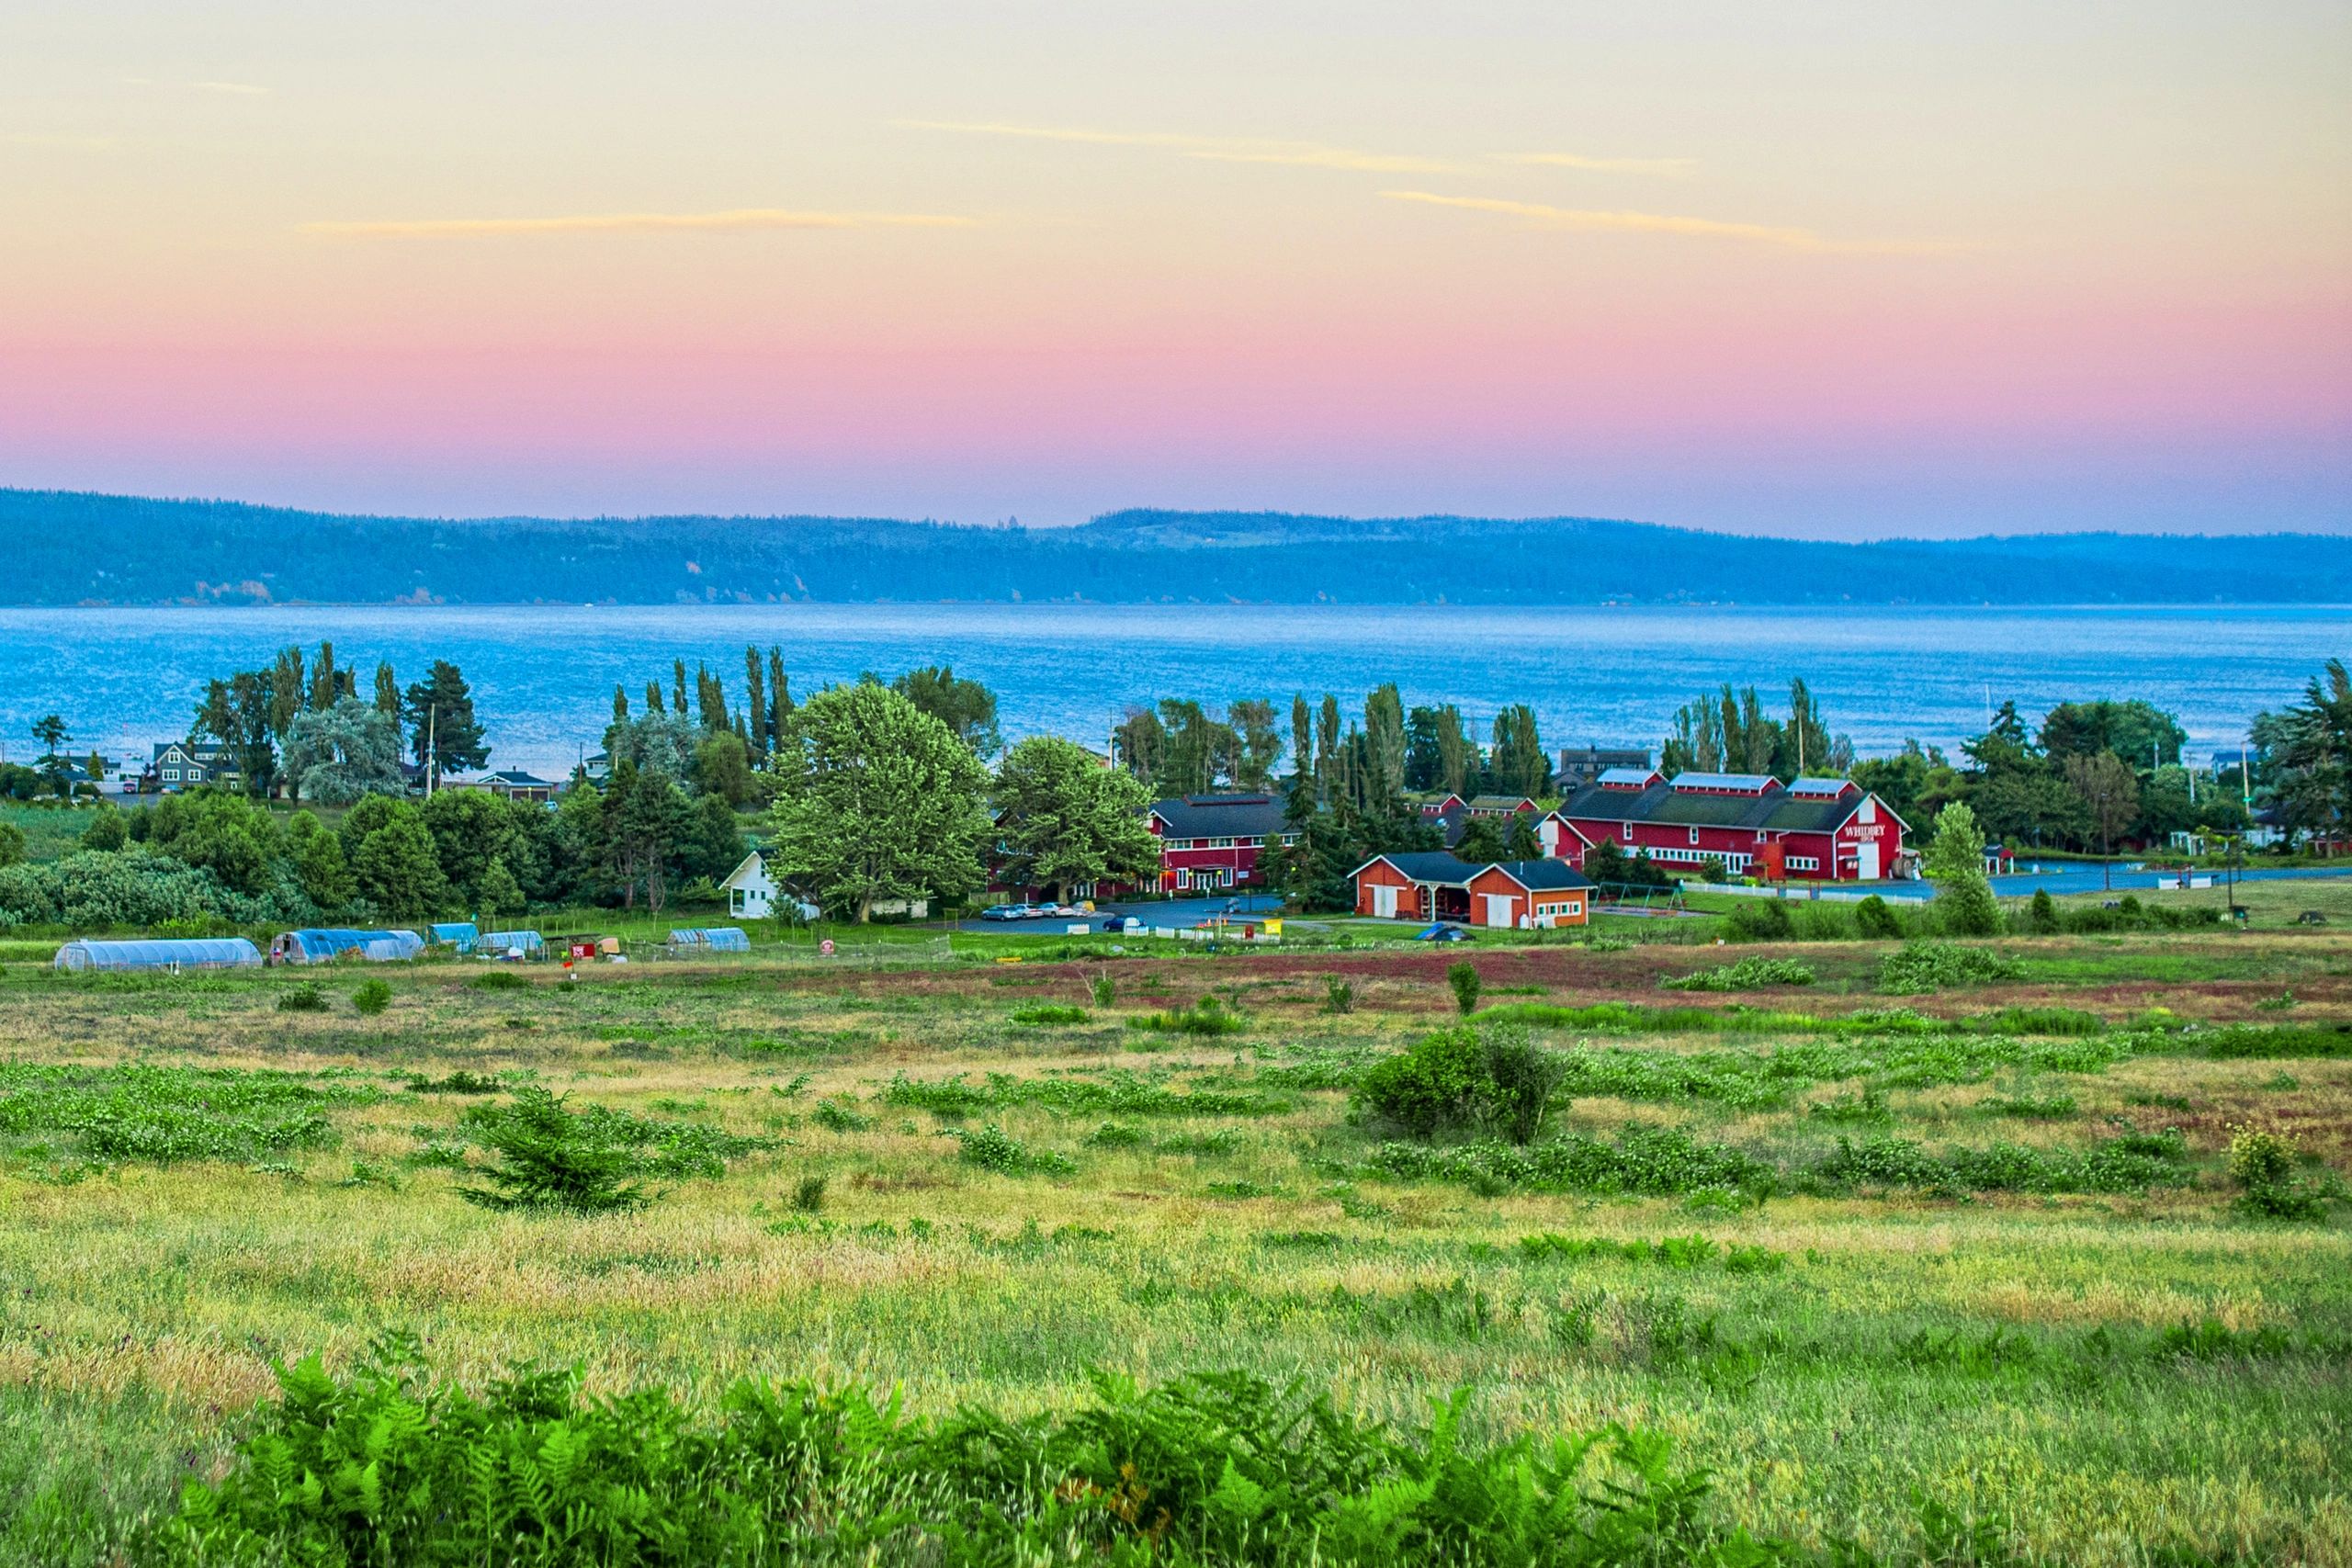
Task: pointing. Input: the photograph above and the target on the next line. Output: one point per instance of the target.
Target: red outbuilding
(1429, 885)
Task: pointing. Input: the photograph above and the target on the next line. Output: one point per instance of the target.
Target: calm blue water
(543, 677)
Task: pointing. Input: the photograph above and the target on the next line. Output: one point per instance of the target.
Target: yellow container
(1273, 927)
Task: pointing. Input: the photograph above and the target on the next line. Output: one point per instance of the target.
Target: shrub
(372, 996)
(1747, 975)
(591, 1161)
(1049, 1013)
(1115, 1135)
(1213, 1468)
(1521, 1078)
(1464, 979)
(1919, 967)
(809, 1196)
(1653, 1160)
(305, 998)
(501, 980)
(2259, 1159)
(839, 1114)
(1760, 919)
(1105, 991)
(1339, 995)
(1874, 916)
(1431, 1085)
(2041, 916)
(991, 1148)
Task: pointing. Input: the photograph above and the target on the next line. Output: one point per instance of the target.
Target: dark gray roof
(1449, 871)
(1775, 810)
(1221, 816)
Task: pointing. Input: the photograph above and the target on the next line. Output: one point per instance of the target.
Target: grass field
(1849, 1251)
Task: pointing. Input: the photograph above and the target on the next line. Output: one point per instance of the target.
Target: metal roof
(1821, 789)
(1450, 871)
(1623, 776)
(1221, 816)
(1775, 811)
(1729, 783)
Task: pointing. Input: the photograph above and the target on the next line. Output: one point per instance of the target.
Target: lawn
(1979, 1247)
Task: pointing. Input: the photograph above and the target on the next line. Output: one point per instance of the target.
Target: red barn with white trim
(1816, 829)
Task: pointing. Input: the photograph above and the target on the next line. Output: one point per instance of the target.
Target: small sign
(826, 947)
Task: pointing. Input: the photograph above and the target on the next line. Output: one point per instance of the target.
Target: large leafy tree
(394, 862)
(967, 708)
(1517, 762)
(225, 834)
(238, 712)
(443, 731)
(1955, 860)
(336, 754)
(2109, 794)
(1063, 817)
(875, 799)
(2313, 747)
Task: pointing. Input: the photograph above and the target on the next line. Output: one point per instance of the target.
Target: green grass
(1850, 1259)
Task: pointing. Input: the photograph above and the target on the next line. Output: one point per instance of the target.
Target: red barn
(1816, 829)
(1429, 885)
(1210, 841)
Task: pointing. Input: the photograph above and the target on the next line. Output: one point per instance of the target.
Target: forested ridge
(69, 548)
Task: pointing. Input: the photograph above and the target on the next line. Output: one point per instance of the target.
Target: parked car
(1007, 912)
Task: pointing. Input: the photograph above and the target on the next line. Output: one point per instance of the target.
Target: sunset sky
(1838, 270)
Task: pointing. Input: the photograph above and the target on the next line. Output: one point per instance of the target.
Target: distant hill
(66, 547)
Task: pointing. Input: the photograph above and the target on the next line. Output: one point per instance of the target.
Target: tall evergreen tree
(443, 732)
(756, 734)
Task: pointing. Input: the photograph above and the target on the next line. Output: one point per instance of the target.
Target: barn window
(1694, 835)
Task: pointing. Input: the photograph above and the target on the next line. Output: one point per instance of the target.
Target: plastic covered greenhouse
(324, 946)
(179, 952)
(711, 939)
(514, 944)
(459, 934)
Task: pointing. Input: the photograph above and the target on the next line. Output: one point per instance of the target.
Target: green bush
(991, 1148)
(591, 1161)
(372, 996)
(1339, 995)
(1651, 1160)
(2041, 916)
(1432, 1084)
(1874, 916)
(386, 1469)
(1207, 1016)
(501, 980)
(305, 998)
(1104, 990)
(1919, 967)
(1464, 979)
(1049, 1013)
(1747, 975)
(1520, 1078)
(1760, 919)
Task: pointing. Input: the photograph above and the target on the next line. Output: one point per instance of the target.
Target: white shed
(750, 891)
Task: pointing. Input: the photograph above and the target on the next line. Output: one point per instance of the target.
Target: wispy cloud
(1669, 168)
(1543, 216)
(59, 143)
(1217, 149)
(630, 222)
(242, 89)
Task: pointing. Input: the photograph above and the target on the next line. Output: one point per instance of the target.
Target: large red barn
(1816, 829)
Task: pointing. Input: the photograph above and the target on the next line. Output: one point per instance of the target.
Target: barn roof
(1221, 816)
(1450, 871)
(1776, 810)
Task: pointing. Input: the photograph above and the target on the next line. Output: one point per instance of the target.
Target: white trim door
(1383, 902)
(1499, 911)
(1870, 860)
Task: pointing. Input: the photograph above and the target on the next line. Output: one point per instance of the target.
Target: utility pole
(432, 750)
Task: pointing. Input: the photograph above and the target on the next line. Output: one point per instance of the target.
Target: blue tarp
(713, 939)
(526, 942)
(457, 935)
(324, 946)
(187, 953)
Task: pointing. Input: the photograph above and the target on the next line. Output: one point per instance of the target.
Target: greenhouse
(184, 952)
(458, 934)
(511, 944)
(711, 939)
(324, 946)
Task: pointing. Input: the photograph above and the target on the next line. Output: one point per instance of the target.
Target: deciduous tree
(1064, 818)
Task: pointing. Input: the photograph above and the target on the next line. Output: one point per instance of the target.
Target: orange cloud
(630, 222)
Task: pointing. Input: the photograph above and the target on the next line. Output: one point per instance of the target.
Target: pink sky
(1846, 270)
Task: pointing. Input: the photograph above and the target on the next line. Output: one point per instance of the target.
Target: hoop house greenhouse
(459, 934)
(711, 939)
(183, 952)
(511, 944)
(321, 946)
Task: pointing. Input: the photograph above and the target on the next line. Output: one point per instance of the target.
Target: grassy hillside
(1957, 1277)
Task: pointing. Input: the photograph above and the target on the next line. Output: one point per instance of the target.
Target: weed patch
(1747, 975)
(1919, 967)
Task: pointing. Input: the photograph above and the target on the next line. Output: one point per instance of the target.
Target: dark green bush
(1431, 1085)
(1515, 1100)
(1464, 979)
(304, 997)
(1049, 1013)
(1873, 917)
(1919, 967)
(591, 1161)
(372, 996)
(1747, 975)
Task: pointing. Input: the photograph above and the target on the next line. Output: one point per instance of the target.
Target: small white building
(750, 891)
